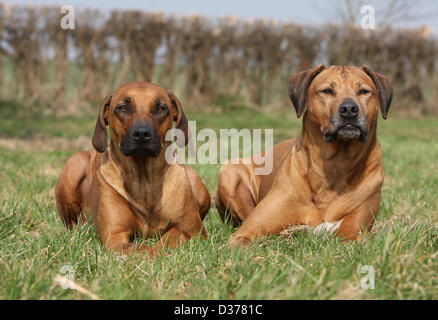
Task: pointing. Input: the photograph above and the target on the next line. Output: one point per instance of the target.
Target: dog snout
(349, 109)
(141, 133)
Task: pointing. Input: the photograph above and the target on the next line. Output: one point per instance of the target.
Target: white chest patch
(329, 227)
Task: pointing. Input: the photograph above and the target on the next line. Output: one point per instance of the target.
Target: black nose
(142, 132)
(349, 109)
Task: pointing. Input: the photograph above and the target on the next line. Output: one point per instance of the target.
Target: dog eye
(162, 108)
(122, 108)
(364, 91)
(327, 91)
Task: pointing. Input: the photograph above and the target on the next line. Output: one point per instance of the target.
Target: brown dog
(130, 187)
(330, 177)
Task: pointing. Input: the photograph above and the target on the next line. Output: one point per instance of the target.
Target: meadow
(35, 245)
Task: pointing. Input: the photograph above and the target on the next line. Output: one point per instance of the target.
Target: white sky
(300, 11)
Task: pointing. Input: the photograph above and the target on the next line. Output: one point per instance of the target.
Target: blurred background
(214, 55)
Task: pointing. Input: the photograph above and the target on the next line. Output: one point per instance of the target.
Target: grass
(34, 245)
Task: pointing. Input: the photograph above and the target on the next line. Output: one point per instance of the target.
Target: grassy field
(35, 246)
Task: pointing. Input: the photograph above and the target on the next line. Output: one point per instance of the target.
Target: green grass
(34, 245)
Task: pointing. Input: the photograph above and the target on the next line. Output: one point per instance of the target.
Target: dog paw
(238, 241)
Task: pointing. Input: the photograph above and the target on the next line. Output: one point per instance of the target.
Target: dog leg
(275, 213)
(171, 239)
(71, 189)
(199, 191)
(357, 209)
(233, 195)
(359, 223)
(119, 242)
(116, 222)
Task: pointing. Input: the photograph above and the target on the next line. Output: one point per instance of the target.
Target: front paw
(238, 240)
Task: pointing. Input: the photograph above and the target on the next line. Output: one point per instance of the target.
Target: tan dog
(129, 187)
(330, 177)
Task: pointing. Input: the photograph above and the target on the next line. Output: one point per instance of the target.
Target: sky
(299, 11)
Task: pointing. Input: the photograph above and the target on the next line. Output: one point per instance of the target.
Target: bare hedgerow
(59, 45)
(23, 36)
(256, 34)
(144, 34)
(3, 53)
(173, 43)
(198, 43)
(201, 58)
(90, 39)
(229, 63)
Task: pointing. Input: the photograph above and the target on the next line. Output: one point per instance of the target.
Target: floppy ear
(100, 140)
(299, 86)
(384, 87)
(180, 118)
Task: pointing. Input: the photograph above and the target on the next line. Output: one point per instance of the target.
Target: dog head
(343, 101)
(138, 116)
